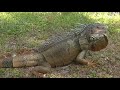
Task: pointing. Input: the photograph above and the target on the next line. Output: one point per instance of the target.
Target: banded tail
(21, 59)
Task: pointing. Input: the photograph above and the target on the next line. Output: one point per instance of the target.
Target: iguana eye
(91, 38)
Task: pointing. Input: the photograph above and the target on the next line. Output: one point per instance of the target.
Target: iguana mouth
(98, 43)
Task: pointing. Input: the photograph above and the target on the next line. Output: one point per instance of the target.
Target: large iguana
(60, 50)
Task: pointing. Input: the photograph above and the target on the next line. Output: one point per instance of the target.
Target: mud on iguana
(60, 50)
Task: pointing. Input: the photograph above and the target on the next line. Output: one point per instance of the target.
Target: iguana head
(97, 36)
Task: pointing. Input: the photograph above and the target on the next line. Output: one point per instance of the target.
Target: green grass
(20, 23)
(29, 29)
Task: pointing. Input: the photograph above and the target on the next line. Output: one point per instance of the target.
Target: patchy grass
(30, 29)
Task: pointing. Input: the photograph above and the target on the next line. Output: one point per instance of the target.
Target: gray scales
(62, 49)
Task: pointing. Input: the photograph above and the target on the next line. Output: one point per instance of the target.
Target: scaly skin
(60, 50)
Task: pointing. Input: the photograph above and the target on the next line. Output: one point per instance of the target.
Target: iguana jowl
(60, 50)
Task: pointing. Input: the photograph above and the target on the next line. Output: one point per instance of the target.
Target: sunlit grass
(104, 17)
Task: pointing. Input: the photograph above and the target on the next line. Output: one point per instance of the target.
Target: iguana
(60, 50)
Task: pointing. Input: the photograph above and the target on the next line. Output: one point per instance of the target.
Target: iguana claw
(92, 64)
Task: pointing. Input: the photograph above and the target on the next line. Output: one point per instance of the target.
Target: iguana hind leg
(40, 71)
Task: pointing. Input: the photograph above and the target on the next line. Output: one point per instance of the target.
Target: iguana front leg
(81, 59)
(85, 45)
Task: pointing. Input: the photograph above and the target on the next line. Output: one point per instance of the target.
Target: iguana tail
(20, 59)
